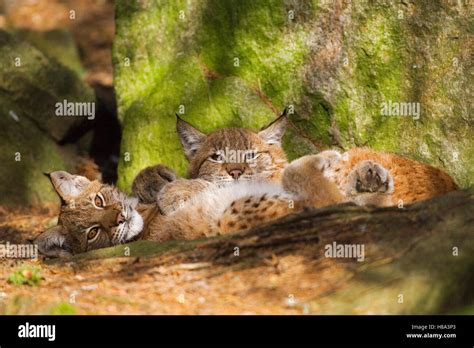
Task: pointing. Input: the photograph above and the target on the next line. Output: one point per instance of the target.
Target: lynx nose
(120, 218)
(111, 218)
(236, 173)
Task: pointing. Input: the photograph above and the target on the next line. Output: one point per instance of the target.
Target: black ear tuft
(68, 186)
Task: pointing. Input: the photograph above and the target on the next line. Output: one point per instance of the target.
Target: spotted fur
(216, 201)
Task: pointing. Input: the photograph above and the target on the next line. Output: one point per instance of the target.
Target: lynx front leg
(331, 157)
(150, 181)
(305, 178)
(369, 184)
(174, 195)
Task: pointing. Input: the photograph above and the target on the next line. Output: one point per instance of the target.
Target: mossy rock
(227, 63)
(29, 128)
(56, 44)
(35, 83)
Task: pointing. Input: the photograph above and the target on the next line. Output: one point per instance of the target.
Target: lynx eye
(99, 201)
(93, 233)
(217, 157)
(251, 155)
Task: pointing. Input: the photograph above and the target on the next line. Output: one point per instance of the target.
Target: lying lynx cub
(231, 190)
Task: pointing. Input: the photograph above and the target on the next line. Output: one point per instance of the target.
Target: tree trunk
(417, 259)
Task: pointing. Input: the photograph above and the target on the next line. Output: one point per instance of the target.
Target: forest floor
(278, 268)
(160, 284)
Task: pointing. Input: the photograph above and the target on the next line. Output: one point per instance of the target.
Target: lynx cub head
(230, 154)
(93, 215)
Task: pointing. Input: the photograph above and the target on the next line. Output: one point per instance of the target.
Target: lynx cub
(225, 156)
(238, 179)
(363, 176)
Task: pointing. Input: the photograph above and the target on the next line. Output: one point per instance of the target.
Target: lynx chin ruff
(238, 179)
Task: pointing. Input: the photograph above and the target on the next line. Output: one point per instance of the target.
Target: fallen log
(418, 259)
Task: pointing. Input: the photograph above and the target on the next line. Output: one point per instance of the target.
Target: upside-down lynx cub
(238, 179)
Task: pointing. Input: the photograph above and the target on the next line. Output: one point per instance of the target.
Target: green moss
(296, 146)
(25, 275)
(57, 44)
(200, 74)
(135, 249)
(374, 76)
(30, 86)
(35, 84)
(26, 153)
(62, 308)
(395, 59)
(231, 63)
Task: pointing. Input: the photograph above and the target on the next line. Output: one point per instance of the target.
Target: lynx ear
(190, 137)
(52, 242)
(68, 186)
(273, 133)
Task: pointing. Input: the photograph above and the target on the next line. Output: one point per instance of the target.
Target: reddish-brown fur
(190, 209)
(413, 181)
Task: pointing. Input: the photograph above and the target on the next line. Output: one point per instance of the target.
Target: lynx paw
(150, 181)
(321, 162)
(174, 195)
(331, 158)
(306, 178)
(369, 177)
